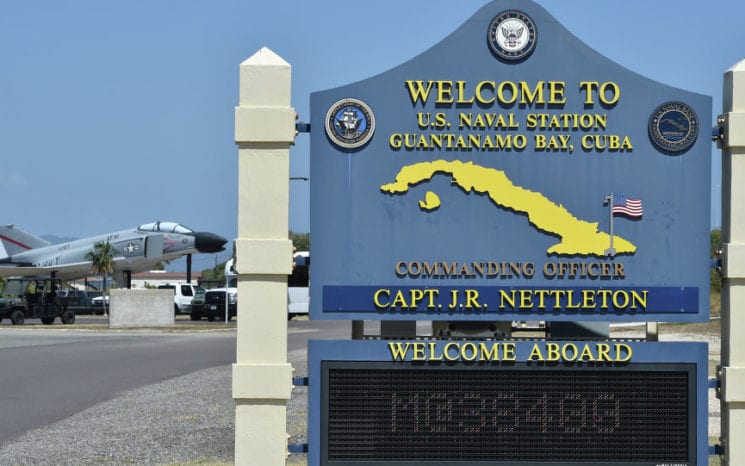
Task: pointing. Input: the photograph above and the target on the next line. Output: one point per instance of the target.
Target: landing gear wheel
(17, 317)
(68, 317)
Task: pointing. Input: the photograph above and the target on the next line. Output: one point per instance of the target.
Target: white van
(183, 294)
(298, 296)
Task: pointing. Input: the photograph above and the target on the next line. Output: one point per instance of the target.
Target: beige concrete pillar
(733, 286)
(262, 377)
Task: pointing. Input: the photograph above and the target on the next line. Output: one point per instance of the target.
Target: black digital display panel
(402, 413)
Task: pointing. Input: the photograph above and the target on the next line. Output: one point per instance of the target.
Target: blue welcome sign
(510, 173)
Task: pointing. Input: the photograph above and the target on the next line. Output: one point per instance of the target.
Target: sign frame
(366, 352)
(390, 209)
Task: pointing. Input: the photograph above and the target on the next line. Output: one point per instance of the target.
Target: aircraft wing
(6, 271)
(66, 271)
(135, 253)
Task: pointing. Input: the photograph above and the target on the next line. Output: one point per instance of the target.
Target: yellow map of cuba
(578, 237)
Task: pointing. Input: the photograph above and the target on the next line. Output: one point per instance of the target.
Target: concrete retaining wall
(141, 308)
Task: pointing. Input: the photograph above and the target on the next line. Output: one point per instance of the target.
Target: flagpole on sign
(609, 200)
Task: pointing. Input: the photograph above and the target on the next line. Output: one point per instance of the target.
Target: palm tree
(102, 263)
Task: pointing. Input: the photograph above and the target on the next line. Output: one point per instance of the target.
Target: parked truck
(81, 301)
(212, 305)
(183, 294)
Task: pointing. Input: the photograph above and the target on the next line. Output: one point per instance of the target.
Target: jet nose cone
(209, 242)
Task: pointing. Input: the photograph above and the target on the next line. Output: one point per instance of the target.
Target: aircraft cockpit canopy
(166, 227)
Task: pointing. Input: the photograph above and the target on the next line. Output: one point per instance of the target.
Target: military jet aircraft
(138, 249)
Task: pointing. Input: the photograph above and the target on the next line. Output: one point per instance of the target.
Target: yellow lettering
(479, 96)
(399, 300)
(564, 348)
(623, 348)
(376, 298)
(416, 296)
(541, 298)
(503, 296)
(446, 351)
(444, 92)
(552, 352)
(489, 353)
(417, 91)
(418, 352)
(461, 91)
(586, 354)
(526, 299)
(528, 97)
(587, 87)
(512, 91)
(398, 350)
(535, 353)
(556, 93)
(508, 352)
(570, 303)
(588, 301)
(604, 298)
(433, 352)
(465, 349)
(640, 299)
(603, 350)
(620, 299)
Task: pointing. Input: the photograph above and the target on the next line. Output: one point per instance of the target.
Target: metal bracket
(297, 448)
(717, 132)
(301, 127)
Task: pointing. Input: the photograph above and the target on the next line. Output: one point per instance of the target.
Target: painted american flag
(627, 206)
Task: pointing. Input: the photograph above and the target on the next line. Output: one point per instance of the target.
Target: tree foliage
(300, 241)
(715, 275)
(215, 273)
(102, 262)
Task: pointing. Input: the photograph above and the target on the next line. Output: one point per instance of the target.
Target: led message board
(505, 402)
(510, 172)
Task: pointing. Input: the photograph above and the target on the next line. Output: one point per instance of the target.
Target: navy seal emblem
(512, 35)
(673, 127)
(350, 123)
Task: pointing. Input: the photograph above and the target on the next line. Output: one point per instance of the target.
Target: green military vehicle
(34, 298)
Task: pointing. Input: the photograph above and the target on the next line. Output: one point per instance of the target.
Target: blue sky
(114, 114)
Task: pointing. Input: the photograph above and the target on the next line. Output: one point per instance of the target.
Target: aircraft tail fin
(14, 241)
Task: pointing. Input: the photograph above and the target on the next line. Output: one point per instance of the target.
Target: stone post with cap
(732, 392)
(262, 377)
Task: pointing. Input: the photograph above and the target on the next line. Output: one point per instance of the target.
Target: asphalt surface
(50, 373)
(47, 375)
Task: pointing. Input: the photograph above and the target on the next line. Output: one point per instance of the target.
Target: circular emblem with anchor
(350, 123)
(673, 127)
(512, 35)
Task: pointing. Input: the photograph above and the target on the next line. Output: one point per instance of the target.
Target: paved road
(48, 374)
